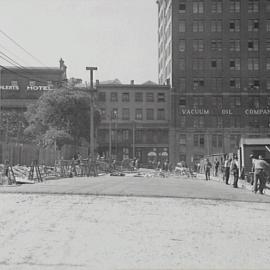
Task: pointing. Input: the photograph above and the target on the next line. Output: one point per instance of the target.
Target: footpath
(243, 184)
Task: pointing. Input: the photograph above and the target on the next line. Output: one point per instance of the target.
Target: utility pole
(133, 138)
(110, 140)
(0, 104)
(92, 143)
(1, 148)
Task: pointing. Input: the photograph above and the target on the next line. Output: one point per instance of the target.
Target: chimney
(132, 82)
(61, 61)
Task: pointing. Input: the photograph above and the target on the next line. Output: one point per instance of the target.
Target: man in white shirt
(227, 166)
(261, 168)
(235, 170)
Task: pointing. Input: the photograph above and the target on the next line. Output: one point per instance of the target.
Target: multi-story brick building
(20, 87)
(216, 54)
(135, 120)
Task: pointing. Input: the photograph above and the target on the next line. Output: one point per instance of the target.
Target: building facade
(135, 121)
(216, 54)
(20, 87)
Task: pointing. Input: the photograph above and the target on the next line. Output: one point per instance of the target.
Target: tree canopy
(61, 116)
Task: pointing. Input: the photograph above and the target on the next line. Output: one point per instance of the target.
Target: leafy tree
(61, 116)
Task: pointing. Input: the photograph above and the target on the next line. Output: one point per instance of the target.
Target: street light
(92, 143)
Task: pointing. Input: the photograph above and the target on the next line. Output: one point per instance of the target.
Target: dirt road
(88, 232)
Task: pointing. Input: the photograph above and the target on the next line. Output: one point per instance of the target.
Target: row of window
(217, 64)
(218, 25)
(140, 114)
(233, 45)
(141, 136)
(149, 97)
(216, 140)
(219, 122)
(217, 101)
(216, 6)
(253, 84)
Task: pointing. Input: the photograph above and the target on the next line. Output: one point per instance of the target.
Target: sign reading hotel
(28, 88)
(203, 111)
(38, 88)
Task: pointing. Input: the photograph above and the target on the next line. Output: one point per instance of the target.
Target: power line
(22, 68)
(9, 51)
(16, 63)
(26, 77)
(11, 39)
(32, 78)
(11, 61)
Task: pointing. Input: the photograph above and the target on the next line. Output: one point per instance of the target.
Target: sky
(117, 36)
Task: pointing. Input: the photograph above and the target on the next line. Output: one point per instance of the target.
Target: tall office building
(216, 54)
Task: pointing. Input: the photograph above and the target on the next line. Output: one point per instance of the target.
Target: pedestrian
(165, 166)
(159, 165)
(79, 158)
(235, 170)
(261, 167)
(252, 170)
(137, 164)
(113, 165)
(207, 168)
(198, 167)
(216, 167)
(227, 166)
(134, 163)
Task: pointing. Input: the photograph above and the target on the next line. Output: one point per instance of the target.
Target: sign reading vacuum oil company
(223, 111)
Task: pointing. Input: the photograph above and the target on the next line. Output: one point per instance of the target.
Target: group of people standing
(260, 171)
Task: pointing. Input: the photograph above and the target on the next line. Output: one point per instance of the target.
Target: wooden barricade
(83, 167)
(34, 173)
(8, 172)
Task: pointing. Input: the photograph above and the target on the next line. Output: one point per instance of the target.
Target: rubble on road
(21, 173)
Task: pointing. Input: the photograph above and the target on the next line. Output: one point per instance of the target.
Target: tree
(61, 115)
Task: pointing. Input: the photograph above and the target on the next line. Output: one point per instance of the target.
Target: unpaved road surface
(96, 232)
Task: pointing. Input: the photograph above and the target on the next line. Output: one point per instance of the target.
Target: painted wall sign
(224, 111)
(9, 87)
(39, 88)
(257, 112)
(195, 111)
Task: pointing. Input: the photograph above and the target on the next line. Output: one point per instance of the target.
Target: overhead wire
(13, 61)
(22, 68)
(21, 47)
(12, 53)
(32, 78)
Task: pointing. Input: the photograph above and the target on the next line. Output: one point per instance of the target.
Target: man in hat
(235, 171)
(227, 166)
(261, 168)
